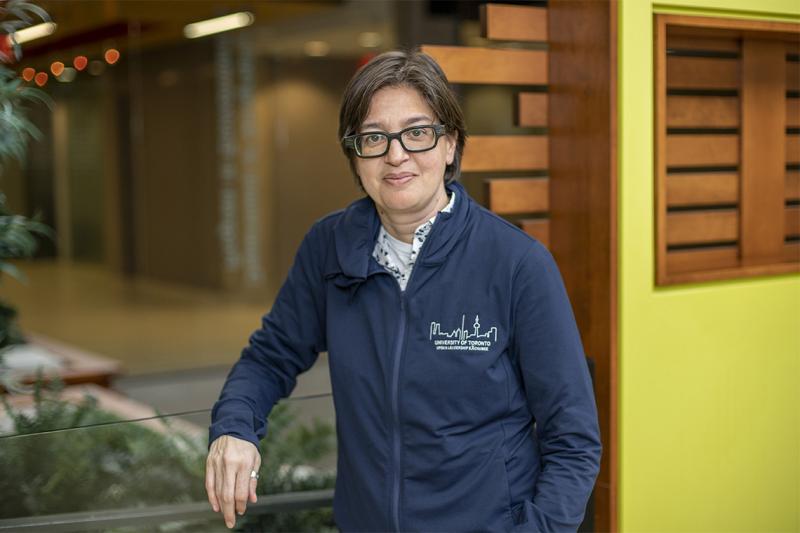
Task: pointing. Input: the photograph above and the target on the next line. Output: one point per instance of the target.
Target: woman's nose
(396, 153)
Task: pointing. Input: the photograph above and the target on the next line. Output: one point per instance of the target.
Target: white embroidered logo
(461, 338)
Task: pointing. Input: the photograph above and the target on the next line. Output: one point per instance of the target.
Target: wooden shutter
(727, 148)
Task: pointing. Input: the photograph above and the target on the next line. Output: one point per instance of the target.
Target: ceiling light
(217, 25)
(35, 32)
(317, 48)
(369, 39)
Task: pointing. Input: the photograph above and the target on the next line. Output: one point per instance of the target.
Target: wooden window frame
(752, 256)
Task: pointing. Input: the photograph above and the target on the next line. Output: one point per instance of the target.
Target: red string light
(80, 62)
(111, 56)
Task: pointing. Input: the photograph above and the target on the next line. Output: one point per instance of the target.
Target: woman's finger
(211, 488)
(254, 481)
(228, 493)
(242, 488)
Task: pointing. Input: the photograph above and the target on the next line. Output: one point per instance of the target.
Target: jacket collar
(356, 230)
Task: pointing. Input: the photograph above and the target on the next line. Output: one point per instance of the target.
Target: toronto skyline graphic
(463, 338)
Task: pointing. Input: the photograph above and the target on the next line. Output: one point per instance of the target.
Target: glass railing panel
(71, 466)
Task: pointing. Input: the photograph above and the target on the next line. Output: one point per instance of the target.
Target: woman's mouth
(398, 178)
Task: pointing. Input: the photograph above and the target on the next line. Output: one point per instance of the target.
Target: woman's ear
(452, 141)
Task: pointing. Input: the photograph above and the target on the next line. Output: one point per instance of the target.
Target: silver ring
(253, 474)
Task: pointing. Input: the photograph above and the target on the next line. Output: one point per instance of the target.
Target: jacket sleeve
(559, 393)
(290, 338)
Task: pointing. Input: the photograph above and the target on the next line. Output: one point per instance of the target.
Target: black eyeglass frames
(412, 139)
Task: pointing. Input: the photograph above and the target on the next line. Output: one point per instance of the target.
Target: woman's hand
(228, 476)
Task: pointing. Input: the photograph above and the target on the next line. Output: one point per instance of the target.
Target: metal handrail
(93, 520)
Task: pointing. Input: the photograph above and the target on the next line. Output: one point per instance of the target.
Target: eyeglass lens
(412, 139)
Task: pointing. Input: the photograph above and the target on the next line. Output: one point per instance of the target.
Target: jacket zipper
(398, 353)
(396, 411)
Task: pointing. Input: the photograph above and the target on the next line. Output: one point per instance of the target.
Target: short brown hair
(413, 69)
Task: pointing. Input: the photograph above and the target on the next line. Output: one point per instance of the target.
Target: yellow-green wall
(709, 421)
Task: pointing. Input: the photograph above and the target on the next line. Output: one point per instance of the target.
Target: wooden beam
(582, 114)
(509, 196)
(763, 151)
(505, 152)
(531, 110)
(537, 228)
(498, 66)
(513, 23)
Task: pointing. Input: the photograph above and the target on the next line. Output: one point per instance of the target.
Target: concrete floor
(176, 344)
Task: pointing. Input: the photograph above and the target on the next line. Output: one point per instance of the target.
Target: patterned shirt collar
(389, 257)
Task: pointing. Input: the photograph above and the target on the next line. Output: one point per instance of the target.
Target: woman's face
(400, 182)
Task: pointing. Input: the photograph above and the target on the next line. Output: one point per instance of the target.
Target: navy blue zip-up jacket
(436, 389)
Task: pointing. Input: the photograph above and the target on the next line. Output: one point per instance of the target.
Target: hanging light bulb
(57, 68)
(80, 62)
(41, 78)
(28, 73)
(111, 56)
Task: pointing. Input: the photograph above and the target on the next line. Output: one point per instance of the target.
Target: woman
(448, 331)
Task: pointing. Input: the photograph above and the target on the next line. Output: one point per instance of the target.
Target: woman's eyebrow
(407, 122)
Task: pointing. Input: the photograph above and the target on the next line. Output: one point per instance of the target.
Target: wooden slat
(763, 159)
(702, 150)
(702, 189)
(702, 111)
(791, 252)
(793, 112)
(491, 65)
(792, 187)
(793, 149)
(505, 152)
(531, 109)
(716, 44)
(702, 73)
(702, 259)
(791, 221)
(513, 23)
(702, 226)
(792, 76)
(508, 196)
(537, 228)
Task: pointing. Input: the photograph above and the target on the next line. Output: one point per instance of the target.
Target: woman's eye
(373, 139)
(418, 132)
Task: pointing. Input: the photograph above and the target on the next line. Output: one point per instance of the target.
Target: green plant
(15, 128)
(123, 465)
(17, 233)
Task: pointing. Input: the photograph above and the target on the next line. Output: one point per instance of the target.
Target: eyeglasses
(413, 139)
